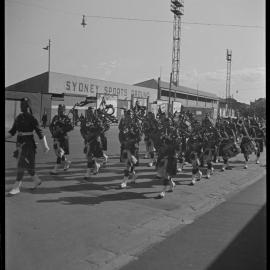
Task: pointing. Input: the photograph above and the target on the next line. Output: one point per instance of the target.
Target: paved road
(69, 223)
(231, 236)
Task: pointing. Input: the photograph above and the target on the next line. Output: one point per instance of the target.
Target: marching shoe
(246, 166)
(172, 186)
(123, 185)
(223, 168)
(16, 188)
(146, 156)
(150, 164)
(208, 174)
(37, 182)
(193, 181)
(87, 174)
(257, 162)
(212, 170)
(97, 167)
(162, 194)
(105, 159)
(179, 170)
(67, 165)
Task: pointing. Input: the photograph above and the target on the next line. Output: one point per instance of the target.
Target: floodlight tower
(228, 78)
(177, 8)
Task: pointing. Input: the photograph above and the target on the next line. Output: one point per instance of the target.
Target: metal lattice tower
(228, 78)
(177, 7)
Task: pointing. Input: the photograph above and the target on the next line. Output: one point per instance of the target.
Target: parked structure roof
(153, 83)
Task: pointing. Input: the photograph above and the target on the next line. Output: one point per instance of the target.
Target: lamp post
(48, 48)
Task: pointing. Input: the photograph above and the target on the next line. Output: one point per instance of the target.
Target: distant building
(196, 101)
(49, 89)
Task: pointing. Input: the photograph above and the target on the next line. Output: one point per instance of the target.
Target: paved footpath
(73, 224)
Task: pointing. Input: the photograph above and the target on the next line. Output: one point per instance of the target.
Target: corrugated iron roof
(152, 83)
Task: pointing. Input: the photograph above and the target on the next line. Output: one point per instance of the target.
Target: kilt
(26, 157)
(93, 149)
(247, 146)
(259, 144)
(229, 149)
(63, 143)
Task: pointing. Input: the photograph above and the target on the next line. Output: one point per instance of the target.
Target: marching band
(171, 140)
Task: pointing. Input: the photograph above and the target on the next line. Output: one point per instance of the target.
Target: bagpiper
(91, 128)
(59, 128)
(167, 149)
(150, 126)
(129, 136)
(24, 125)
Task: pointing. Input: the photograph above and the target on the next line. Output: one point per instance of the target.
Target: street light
(48, 48)
(176, 7)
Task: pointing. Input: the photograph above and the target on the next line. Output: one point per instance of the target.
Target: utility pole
(170, 90)
(177, 8)
(228, 79)
(48, 48)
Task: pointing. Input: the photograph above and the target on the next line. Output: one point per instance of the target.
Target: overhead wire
(136, 19)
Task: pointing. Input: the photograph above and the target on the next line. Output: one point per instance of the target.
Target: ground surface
(70, 223)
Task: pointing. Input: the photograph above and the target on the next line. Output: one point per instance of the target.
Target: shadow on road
(248, 250)
(87, 200)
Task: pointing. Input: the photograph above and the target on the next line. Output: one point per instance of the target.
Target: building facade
(50, 89)
(184, 98)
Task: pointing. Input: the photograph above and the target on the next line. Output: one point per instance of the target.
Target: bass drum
(229, 148)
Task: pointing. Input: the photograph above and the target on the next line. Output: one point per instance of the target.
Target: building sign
(176, 106)
(69, 84)
(162, 105)
(109, 99)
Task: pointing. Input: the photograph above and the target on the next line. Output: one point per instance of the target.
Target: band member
(103, 139)
(258, 136)
(167, 165)
(91, 128)
(129, 136)
(121, 127)
(247, 144)
(149, 127)
(24, 125)
(196, 173)
(59, 128)
(224, 140)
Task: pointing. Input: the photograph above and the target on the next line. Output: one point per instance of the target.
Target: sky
(129, 42)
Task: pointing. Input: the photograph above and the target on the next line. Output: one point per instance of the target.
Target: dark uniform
(129, 137)
(91, 128)
(24, 125)
(59, 127)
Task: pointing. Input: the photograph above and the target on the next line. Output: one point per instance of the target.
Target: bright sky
(131, 51)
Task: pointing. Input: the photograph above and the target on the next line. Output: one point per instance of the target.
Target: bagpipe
(60, 126)
(106, 113)
(138, 112)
